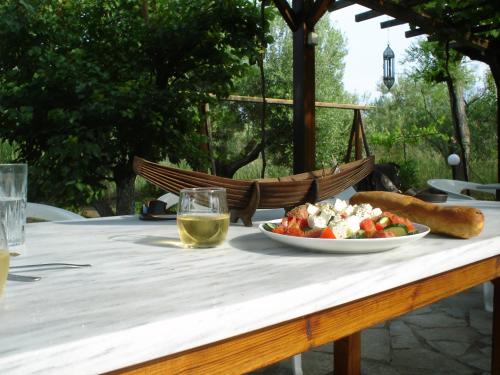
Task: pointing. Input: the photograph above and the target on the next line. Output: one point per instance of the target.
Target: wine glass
(4, 258)
(202, 216)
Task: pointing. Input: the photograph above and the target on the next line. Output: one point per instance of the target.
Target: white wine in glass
(202, 217)
(4, 259)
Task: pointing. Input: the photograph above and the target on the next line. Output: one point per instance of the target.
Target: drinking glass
(4, 259)
(202, 216)
(13, 189)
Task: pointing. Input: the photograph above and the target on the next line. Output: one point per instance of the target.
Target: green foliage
(408, 173)
(8, 152)
(236, 126)
(415, 113)
(86, 85)
(413, 124)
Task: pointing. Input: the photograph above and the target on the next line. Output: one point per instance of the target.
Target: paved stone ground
(450, 337)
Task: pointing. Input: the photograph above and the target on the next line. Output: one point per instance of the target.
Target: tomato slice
(313, 233)
(327, 233)
(295, 231)
(368, 226)
(395, 219)
(279, 229)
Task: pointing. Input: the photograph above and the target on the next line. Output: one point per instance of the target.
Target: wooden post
(304, 141)
(347, 355)
(495, 351)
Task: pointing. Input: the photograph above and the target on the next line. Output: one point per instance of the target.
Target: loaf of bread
(456, 221)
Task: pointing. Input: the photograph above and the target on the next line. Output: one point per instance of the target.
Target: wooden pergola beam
(339, 4)
(414, 32)
(429, 24)
(367, 15)
(288, 14)
(289, 102)
(319, 8)
(391, 23)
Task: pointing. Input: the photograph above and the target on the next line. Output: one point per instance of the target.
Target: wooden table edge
(341, 323)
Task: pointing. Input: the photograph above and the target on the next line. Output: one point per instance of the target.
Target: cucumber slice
(269, 226)
(384, 220)
(398, 229)
(359, 234)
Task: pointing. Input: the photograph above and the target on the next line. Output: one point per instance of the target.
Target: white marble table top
(146, 297)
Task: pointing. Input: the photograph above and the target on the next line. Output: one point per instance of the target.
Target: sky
(366, 42)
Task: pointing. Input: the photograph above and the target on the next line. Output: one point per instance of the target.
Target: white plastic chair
(454, 188)
(170, 199)
(50, 213)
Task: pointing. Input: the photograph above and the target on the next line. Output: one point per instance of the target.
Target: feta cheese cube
(376, 212)
(353, 224)
(317, 222)
(339, 205)
(312, 209)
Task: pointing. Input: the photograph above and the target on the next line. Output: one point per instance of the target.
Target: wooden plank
(391, 23)
(260, 348)
(289, 102)
(367, 15)
(339, 4)
(428, 23)
(414, 32)
(495, 351)
(347, 355)
(288, 14)
(412, 3)
(319, 8)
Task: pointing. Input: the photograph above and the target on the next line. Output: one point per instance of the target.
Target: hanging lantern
(388, 67)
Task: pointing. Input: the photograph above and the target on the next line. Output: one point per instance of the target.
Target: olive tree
(87, 85)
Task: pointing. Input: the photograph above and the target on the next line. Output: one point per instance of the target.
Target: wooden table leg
(495, 351)
(347, 355)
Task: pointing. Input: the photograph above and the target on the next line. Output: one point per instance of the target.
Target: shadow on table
(148, 240)
(257, 243)
(113, 220)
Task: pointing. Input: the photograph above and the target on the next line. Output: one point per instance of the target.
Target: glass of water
(4, 259)
(13, 190)
(202, 216)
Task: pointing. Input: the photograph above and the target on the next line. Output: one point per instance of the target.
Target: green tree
(87, 85)
(437, 63)
(236, 133)
(413, 123)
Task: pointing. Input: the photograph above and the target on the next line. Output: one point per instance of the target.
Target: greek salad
(341, 220)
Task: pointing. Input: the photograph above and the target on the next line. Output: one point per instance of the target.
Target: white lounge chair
(170, 199)
(454, 188)
(50, 213)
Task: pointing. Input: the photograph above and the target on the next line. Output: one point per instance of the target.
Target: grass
(253, 171)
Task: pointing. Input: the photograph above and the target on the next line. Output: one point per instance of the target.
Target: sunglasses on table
(155, 210)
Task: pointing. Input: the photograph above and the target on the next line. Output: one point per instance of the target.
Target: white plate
(362, 245)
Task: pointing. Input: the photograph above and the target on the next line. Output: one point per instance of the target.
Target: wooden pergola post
(301, 18)
(304, 140)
